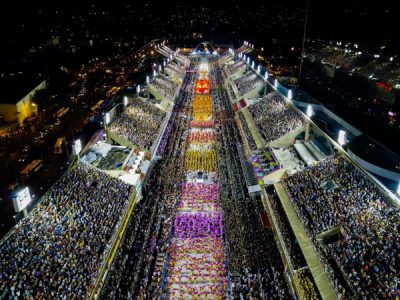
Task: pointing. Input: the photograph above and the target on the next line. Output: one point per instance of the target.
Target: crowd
(57, 251)
(253, 253)
(221, 102)
(216, 76)
(296, 255)
(305, 280)
(166, 86)
(200, 138)
(182, 59)
(367, 252)
(202, 123)
(237, 66)
(246, 132)
(140, 123)
(274, 118)
(242, 48)
(175, 70)
(248, 82)
(139, 267)
(225, 57)
(199, 196)
(231, 91)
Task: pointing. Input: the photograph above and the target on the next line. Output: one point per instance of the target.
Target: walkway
(322, 281)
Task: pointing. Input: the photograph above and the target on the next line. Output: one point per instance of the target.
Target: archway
(205, 46)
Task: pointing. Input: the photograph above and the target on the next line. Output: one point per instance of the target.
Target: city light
(159, 68)
(125, 100)
(107, 118)
(290, 95)
(309, 111)
(138, 89)
(164, 63)
(154, 73)
(22, 199)
(342, 137)
(78, 146)
(266, 75)
(258, 69)
(398, 190)
(148, 79)
(276, 83)
(248, 60)
(252, 64)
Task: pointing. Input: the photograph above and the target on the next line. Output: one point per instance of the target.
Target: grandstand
(240, 202)
(174, 70)
(226, 57)
(164, 87)
(140, 124)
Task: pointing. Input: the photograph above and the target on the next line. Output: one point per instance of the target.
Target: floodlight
(342, 137)
(309, 111)
(78, 146)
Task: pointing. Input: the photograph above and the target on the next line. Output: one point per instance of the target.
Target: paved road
(55, 164)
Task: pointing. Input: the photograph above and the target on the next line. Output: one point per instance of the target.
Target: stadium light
(342, 137)
(289, 95)
(147, 79)
(309, 111)
(266, 75)
(276, 83)
(78, 146)
(125, 100)
(107, 118)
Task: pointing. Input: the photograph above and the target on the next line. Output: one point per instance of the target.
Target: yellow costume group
(204, 160)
